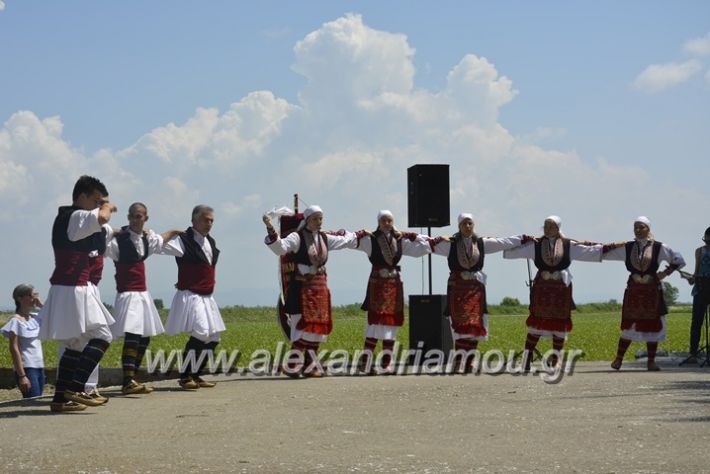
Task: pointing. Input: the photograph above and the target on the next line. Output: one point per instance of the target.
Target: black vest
(455, 265)
(193, 252)
(652, 268)
(564, 262)
(301, 256)
(60, 240)
(376, 256)
(127, 252)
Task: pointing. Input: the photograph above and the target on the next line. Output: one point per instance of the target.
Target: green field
(596, 332)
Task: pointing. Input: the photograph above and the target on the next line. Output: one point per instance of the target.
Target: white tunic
(197, 315)
(583, 253)
(411, 248)
(666, 254)
(490, 245)
(72, 312)
(290, 244)
(135, 311)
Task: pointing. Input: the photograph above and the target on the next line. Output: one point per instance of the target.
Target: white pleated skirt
(135, 312)
(71, 311)
(297, 334)
(633, 335)
(196, 315)
(381, 332)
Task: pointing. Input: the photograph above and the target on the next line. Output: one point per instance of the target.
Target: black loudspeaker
(428, 195)
(427, 323)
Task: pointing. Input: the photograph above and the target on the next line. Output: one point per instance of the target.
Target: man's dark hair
(87, 185)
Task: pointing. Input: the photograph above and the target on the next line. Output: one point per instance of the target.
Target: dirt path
(594, 421)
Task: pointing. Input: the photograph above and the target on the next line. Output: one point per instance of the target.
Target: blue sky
(597, 111)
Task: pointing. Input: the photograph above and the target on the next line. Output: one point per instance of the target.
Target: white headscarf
(643, 220)
(557, 221)
(383, 213)
(310, 210)
(464, 215)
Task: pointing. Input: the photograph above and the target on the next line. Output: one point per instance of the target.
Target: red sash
(551, 305)
(385, 298)
(316, 314)
(466, 300)
(642, 306)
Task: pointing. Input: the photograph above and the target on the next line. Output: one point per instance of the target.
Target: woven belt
(386, 273)
(643, 279)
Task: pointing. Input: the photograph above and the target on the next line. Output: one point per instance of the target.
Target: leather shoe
(98, 397)
(616, 365)
(189, 384)
(204, 383)
(315, 373)
(83, 398)
(652, 367)
(57, 407)
(134, 387)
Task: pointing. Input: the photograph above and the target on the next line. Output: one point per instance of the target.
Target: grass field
(596, 332)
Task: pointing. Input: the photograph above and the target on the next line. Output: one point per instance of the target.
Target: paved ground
(596, 420)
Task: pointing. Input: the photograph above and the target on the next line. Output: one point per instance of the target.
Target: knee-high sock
(90, 358)
(194, 347)
(623, 346)
(207, 348)
(387, 345)
(129, 356)
(651, 348)
(296, 346)
(142, 346)
(558, 343)
(530, 344)
(463, 362)
(65, 373)
(369, 352)
(311, 349)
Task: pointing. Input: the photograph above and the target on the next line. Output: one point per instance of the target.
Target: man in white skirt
(72, 313)
(137, 318)
(194, 310)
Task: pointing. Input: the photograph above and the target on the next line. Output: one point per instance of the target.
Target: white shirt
(155, 243)
(490, 244)
(411, 248)
(292, 242)
(666, 254)
(27, 332)
(175, 248)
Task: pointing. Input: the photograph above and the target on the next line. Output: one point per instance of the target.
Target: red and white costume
(384, 301)
(551, 300)
(308, 297)
(466, 289)
(134, 309)
(193, 309)
(643, 314)
(73, 311)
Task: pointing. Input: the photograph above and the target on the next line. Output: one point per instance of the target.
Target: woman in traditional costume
(466, 290)
(551, 302)
(643, 314)
(308, 297)
(384, 301)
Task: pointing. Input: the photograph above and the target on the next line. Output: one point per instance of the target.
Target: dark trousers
(696, 325)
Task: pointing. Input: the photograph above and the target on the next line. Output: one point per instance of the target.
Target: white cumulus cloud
(698, 46)
(659, 77)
